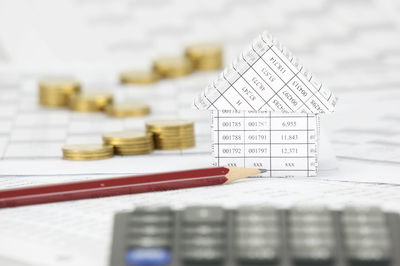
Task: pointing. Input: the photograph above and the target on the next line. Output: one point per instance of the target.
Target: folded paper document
(265, 111)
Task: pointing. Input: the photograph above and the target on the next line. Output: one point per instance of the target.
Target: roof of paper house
(266, 77)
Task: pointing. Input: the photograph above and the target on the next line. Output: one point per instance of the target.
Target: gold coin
(127, 109)
(175, 147)
(134, 147)
(53, 101)
(169, 124)
(174, 141)
(87, 151)
(206, 56)
(209, 64)
(173, 133)
(57, 91)
(66, 84)
(139, 77)
(87, 148)
(127, 137)
(132, 152)
(90, 101)
(173, 67)
(88, 158)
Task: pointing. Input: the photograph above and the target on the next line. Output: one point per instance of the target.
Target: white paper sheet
(285, 144)
(353, 46)
(79, 233)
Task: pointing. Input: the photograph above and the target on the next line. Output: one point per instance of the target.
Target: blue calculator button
(147, 256)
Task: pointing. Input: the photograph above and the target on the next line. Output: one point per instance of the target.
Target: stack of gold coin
(205, 56)
(90, 101)
(139, 77)
(172, 134)
(57, 91)
(83, 152)
(173, 67)
(127, 108)
(130, 142)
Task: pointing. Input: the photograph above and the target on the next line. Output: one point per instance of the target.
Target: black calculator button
(203, 229)
(204, 215)
(258, 255)
(141, 219)
(149, 241)
(315, 253)
(150, 230)
(259, 229)
(255, 241)
(202, 256)
(204, 242)
(153, 210)
(256, 215)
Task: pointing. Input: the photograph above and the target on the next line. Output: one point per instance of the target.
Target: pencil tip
(262, 170)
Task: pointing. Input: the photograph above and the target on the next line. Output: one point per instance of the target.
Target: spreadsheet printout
(353, 46)
(267, 77)
(283, 143)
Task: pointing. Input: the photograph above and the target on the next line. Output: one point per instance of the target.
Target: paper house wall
(265, 111)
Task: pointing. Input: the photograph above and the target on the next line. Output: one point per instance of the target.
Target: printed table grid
(265, 77)
(260, 139)
(312, 92)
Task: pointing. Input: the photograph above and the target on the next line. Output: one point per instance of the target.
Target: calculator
(256, 235)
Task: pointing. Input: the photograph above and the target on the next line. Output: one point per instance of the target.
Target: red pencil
(123, 185)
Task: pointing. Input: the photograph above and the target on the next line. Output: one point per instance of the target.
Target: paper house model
(265, 110)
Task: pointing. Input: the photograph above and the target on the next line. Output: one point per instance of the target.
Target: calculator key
(204, 215)
(203, 241)
(363, 216)
(368, 249)
(154, 210)
(369, 256)
(205, 255)
(258, 241)
(371, 232)
(310, 215)
(150, 230)
(257, 255)
(242, 220)
(268, 231)
(311, 241)
(248, 214)
(147, 256)
(312, 255)
(261, 210)
(203, 229)
(140, 219)
(149, 241)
